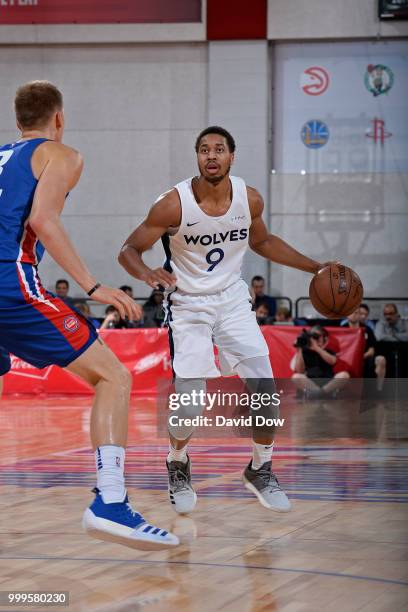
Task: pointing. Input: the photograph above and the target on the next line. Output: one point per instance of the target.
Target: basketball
(336, 291)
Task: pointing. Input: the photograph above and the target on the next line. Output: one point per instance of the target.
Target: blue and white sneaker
(119, 523)
(182, 496)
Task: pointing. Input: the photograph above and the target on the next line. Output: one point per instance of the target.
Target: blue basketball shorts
(35, 325)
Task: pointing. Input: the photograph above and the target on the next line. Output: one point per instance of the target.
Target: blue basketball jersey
(35, 325)
(18, 241)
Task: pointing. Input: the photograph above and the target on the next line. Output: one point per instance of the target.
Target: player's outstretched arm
(59, 169)
(164, 214)
(270, 246)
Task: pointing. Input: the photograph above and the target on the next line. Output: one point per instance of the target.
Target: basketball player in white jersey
(206, 224)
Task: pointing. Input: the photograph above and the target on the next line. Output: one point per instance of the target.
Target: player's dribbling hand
(126, 306)
(327, 263)
(159, 276)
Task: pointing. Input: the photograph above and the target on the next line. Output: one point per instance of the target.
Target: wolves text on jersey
(219, 238)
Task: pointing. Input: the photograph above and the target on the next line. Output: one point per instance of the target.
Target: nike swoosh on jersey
(190, 224)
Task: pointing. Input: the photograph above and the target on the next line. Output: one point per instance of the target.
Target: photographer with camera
(313, 365)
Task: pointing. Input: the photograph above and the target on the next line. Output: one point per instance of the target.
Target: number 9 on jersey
(214, 257)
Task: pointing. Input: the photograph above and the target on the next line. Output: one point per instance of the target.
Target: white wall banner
(341, 107)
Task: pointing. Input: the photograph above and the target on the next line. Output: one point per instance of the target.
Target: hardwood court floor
(342, 548)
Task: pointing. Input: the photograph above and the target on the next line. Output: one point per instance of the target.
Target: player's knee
(188, 385)
(380, 360)
(343, 375)
(298, 375)
(124, 377)
(116, 374)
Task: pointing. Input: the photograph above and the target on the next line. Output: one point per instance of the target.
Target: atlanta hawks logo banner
(145, 352)
(99, 11)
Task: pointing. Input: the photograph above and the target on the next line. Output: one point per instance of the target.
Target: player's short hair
(365, 306)
(216, 129)
(35, 103)
(62, 280)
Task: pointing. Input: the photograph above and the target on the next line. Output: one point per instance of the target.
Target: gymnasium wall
(239, 84)
(329, 19)
(136, 95)
(134, 112)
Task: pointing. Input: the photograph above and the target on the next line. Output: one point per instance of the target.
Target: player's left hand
(126, 306)
(139, 312)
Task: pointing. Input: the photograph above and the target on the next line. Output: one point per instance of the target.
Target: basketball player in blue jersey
(36, 173)
(206, 224)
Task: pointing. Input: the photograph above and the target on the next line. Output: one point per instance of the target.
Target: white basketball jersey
(206, 252)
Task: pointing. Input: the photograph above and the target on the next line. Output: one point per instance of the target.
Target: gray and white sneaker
(182, 496)
(265, 485)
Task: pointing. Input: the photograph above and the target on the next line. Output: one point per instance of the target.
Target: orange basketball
(336, 291)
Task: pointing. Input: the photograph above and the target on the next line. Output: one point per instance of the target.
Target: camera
(303, 341)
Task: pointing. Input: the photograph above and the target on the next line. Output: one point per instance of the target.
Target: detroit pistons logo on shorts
(71, 323)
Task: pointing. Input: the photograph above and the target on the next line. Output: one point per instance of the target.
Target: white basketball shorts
(198, 322)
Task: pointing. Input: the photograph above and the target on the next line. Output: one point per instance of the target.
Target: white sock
(110, 463)
(177, 454)
(260, 454)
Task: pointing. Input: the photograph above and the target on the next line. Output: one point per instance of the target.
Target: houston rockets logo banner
(99, 11)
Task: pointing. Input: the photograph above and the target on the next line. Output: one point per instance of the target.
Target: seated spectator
(374, 365)
(113, 321)
(258, 295)
(127, 289)
(364, 312)
(283, 317)
(84, 309)
(135, 322)
(61, 291)
(262, 314)
(392, 328)
(313, 365)
(153, 313)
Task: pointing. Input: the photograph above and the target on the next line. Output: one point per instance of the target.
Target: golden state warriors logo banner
(99, 11)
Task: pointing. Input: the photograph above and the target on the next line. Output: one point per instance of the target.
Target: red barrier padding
(145, 353)
(236, 19)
